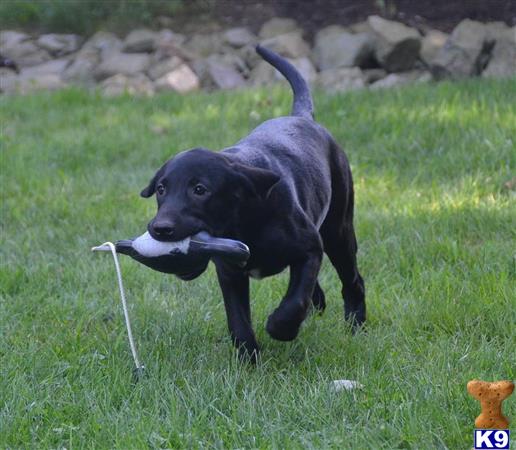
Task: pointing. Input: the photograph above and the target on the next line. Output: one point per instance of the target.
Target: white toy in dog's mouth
(147, 246)
(186, 258)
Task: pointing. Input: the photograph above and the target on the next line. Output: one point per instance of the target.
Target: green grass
(436, 231)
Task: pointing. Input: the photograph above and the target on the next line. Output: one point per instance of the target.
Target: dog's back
(295, 147)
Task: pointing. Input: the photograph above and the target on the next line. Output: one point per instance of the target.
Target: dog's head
(202, 190)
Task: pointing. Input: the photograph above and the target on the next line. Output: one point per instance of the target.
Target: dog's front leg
(235, 290)
(283, 324)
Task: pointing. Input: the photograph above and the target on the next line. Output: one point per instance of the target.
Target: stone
(120, 84)
(59, 44)
(124, 63)
(104, 43)
(224, 76)
(361, 27)
(25, 53)
(372, 75)
(203, 45)
(496, 31)
(8, 79)
(431, 43)
(396, 45)
(238, 37)
(304, 67)
(46, 81)
(181, 80)
(335, 47)
(163, 67)
(464, 53)
(140, 41)
(82, 68)
(263, 74)
(54, 66)
(202, 67)
(249, 56)
(401, 79)
(503, 60)
(289, 45)
(9, 38)
(277, 26)
(166, 36)
(340, 79)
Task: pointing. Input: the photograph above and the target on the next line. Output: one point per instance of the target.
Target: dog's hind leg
(340, 244)
(341, 247)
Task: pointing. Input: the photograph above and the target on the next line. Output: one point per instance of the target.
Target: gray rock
(431, 43)
(249, 56)
(496, 31)
(503, 60)
(104, 43)
(55, 66)
(335, 47)
(304, 67)
(8, 79)
(24, 84)
(341, 79)
(372, 75)
(203, 45)
(124, 63)
(464, 52)
(239, 37)
(396, 45)
(202, 67)
(224, 76)
(163, 67)
(140, 41)
(166, 36)
(277, 26)
(25, 53)
(181, 80)
(82, 68)
(119, 84)
(361, 27)
(59, 44)
(401, 79)
(290, 45)
(263, 74)
(9, 38)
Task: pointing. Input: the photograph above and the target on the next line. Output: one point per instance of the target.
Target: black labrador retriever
(286, 191)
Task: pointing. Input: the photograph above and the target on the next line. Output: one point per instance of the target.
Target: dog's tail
(302, 104)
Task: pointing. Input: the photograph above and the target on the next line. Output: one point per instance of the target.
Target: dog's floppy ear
(259, 181)
(151, 188)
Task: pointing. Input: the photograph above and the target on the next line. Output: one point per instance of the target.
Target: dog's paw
(356, 318)
(248, 352)
(284, 323)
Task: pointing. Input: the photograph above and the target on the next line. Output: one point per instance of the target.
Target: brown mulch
(313, 15)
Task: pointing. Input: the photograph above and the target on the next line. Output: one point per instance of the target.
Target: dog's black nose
(163, 228)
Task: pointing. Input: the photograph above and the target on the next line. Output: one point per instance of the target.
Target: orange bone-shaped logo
(491, 395)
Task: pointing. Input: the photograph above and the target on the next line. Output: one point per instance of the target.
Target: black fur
(286, 191)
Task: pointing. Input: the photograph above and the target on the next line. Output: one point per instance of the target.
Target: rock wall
(376, 53)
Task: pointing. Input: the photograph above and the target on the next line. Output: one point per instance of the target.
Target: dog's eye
(199, 189)
(160, 189)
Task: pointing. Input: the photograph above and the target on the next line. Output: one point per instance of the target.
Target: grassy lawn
(436, 231)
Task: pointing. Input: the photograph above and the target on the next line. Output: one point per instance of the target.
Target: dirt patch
(315, 14)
